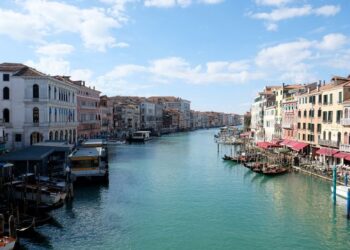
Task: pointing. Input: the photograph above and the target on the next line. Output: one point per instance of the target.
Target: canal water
(175, 192)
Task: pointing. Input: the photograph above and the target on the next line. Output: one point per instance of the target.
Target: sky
(216, 53)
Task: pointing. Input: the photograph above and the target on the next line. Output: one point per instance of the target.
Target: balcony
(345, 121)
(287, 125)
(328, 143)
(344, 147)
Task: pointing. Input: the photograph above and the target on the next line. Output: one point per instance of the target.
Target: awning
(327, 151)
(342, 155)
(299, 146)
(285, 142)
(264, 145)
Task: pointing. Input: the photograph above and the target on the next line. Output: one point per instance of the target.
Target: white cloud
(327, 10)
(272, 2)
(122, 45)
(333, 41)
(181, 3)
(55, 49)
(40, 19)
(211, 1)
(284, 13)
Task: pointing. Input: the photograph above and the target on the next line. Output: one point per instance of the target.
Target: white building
(35, 107)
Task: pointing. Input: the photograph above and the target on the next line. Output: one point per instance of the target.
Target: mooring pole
(334, 184)
(348, 205)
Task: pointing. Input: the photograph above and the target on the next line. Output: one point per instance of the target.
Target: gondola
(274, 170)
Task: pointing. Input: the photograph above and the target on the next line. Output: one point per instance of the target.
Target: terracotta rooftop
(20, 69)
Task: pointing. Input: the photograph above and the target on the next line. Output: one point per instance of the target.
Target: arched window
(56, 136)
(50, 136)
(329, 136)
(346, 113)
(55, 94)
(49, 92)
(6, 115)
(6, 93)
(35, 91)
(324, 135)
(35, 115)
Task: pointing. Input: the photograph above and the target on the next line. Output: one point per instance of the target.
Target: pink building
(88, 110)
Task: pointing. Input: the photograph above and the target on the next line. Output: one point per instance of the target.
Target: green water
(176, 192)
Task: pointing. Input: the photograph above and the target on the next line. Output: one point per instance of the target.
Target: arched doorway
(50, 136)
(35, 137)
(56, 136)
(61, 135)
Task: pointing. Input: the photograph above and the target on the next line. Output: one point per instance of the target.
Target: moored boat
(7, 242)
(140, 136)
(89, 164)
(341, 191)
(274, 170)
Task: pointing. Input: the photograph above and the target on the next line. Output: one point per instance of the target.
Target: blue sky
(216, 53)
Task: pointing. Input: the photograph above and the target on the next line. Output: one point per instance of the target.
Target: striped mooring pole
(334, 184)
(348, 205)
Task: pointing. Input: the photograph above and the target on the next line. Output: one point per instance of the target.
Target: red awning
(285, 142)
(342, 155)
(299, 146)
(327, 151)
(264, 144)
(291, 143)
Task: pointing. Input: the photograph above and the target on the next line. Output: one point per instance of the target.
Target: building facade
(36, 107)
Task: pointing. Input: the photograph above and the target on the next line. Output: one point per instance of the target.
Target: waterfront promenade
(175, 192)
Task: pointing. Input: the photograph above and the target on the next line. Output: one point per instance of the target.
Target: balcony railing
(345, 121)
(287, 125)
(328, 143)
(344, 147)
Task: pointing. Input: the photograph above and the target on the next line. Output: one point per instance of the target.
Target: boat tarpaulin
(297, 146)
(327, 151)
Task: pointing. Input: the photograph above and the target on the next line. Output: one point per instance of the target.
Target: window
(299, 113)
(329, 136)
(330, 98)
(324, 116)
(319, 113)
(303, 137)
(305, 113)
(55, 93)
(339, 115)
(6, 77)
(18, 137)
(319, 99)
(340, 97)
(319, 128)
(304, 125)
(298, 125)
(325, 99)
(35, 91)
(49, 92)
(35, 115)
(330, 116)
(6, 115)
(6, 93)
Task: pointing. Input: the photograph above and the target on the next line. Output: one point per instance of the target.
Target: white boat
(341, 191)
(141, 136)
(36, 193)
(89, 163)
